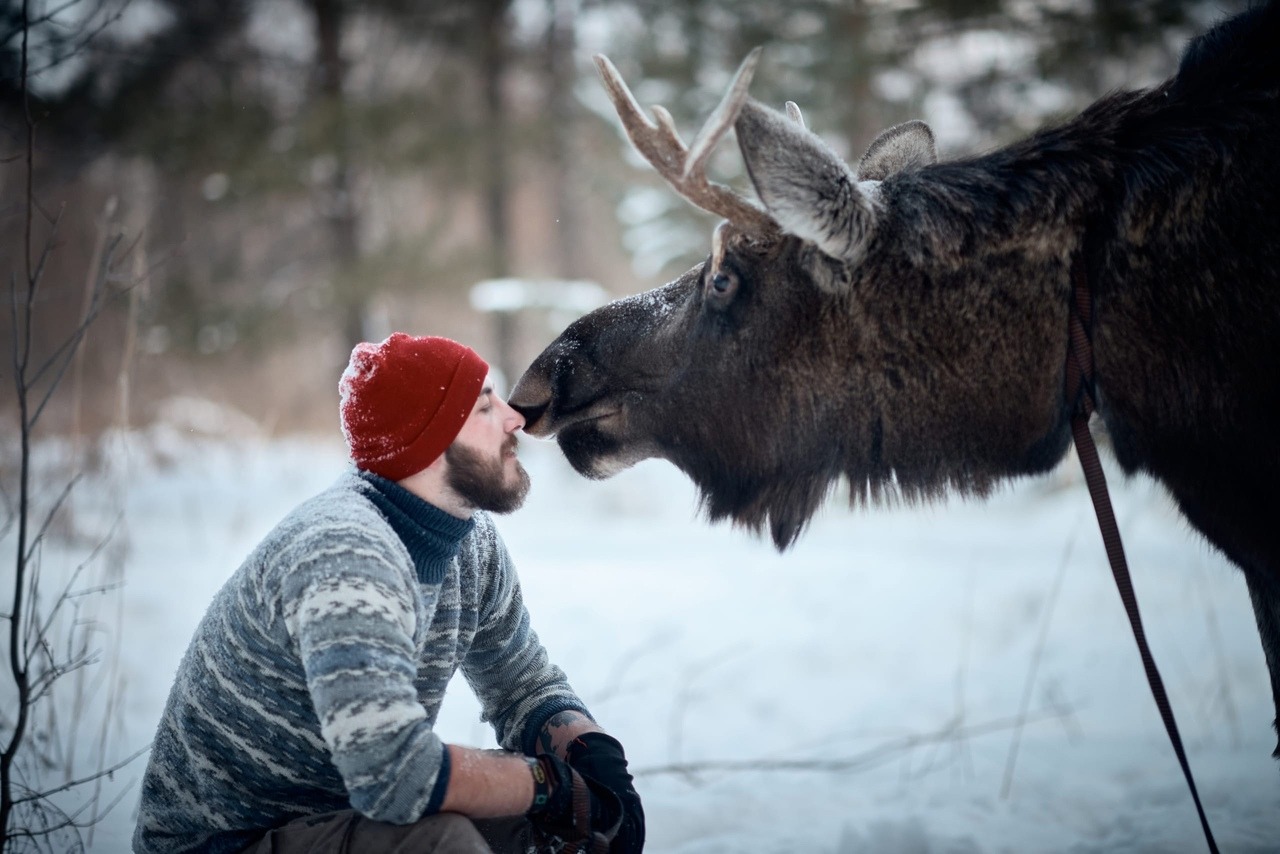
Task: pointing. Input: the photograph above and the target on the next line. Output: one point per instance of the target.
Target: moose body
(904, 324)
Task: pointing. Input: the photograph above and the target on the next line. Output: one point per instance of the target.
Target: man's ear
(909, 145)
(804, 185)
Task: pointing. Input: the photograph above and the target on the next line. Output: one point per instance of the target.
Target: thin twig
(857, 761)
(109, 714)
(960, 745)
(614, 679)
(84, 39)
(1223, 692)
(109, 587)
(78, 335)
(48, 17)
(1033, 668)
(67, 593)
(53, 512)
(89, 778)
(685, 696)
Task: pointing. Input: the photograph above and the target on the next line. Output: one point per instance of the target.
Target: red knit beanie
(403, 401)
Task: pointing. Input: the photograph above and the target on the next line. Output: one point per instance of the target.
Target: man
(301, 716)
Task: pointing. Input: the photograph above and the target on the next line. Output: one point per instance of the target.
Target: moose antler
(685, 168)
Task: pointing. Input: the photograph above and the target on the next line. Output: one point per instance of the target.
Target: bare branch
(48, 17)
(94, 591)
(83, 39)
(42, 808)
(10, 516)
(856, 762)
(49, 640)
(612, 683)
(1033, 667)
(44, 683)
(685, 168)
(46, 252)
(65, 354)
(89, 778)
(53, 512)
(16, 356)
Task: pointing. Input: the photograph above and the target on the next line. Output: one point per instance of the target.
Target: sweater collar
(431, 535)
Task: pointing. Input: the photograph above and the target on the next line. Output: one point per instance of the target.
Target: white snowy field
(861, 692)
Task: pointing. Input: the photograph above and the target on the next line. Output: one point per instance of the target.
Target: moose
(903, 324)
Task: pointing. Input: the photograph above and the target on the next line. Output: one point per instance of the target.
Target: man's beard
(481, 480)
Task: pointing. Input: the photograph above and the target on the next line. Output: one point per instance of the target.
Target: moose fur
(904, 324)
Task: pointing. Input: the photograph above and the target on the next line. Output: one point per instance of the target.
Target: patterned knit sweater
(313, 682)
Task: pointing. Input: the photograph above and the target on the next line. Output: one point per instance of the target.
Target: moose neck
(957, 377)
(1041, 194)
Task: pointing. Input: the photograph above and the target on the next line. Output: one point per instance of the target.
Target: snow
(571, 296)
(882, 663)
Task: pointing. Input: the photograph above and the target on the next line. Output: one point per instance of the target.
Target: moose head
(877, 323)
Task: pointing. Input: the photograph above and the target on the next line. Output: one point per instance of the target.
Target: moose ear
(807, 189)
(909, 145)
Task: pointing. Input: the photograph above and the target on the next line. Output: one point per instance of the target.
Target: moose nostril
(531, 412)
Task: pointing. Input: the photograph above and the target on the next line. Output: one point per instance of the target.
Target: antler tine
(682, 167)
(660, 145)
(723, 116)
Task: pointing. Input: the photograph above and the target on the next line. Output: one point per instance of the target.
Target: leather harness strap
(591, 841)
(1082, 396)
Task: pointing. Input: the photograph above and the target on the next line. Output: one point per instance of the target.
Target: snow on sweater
(313, 682)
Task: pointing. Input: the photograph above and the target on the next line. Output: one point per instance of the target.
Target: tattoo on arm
(562, 728)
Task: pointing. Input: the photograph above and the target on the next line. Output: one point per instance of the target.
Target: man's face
(483, 468)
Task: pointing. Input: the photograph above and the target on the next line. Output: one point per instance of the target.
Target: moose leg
(1266, 610)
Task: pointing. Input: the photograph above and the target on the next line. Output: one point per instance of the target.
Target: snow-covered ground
(862, 692)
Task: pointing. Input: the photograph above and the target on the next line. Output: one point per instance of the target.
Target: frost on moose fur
(903, 324)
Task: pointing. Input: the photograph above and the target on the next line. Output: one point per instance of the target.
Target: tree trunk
(497, 179)
(562, 136)
(339, 207)
(494, 58)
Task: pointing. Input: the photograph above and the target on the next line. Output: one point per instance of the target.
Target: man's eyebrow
(484, 392)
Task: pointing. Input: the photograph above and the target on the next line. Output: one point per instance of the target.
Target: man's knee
(453, 832)
(444, 833)
(348, 831)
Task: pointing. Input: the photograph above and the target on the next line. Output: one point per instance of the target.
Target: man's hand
(589, 813)
(599, 758)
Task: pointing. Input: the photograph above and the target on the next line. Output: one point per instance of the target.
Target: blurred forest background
(206, 203)
(278, 179)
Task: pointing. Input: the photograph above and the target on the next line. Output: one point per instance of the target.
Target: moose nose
(531, 397)
(531, 413)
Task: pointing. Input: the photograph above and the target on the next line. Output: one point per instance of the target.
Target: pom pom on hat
(404, 400)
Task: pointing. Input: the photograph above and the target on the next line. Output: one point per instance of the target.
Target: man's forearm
(562, 728)
(492, 783)
(487, 783)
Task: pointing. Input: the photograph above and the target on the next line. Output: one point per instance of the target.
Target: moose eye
(721, 286)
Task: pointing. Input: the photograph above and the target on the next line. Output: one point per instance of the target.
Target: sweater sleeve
(507, 666)
(352, 615)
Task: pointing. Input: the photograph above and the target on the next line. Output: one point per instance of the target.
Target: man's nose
(512, 420)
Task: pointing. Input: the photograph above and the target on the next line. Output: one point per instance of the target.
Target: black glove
(598, 757)
(555, 813)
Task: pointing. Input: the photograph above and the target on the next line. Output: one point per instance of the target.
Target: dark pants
(445, 833)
